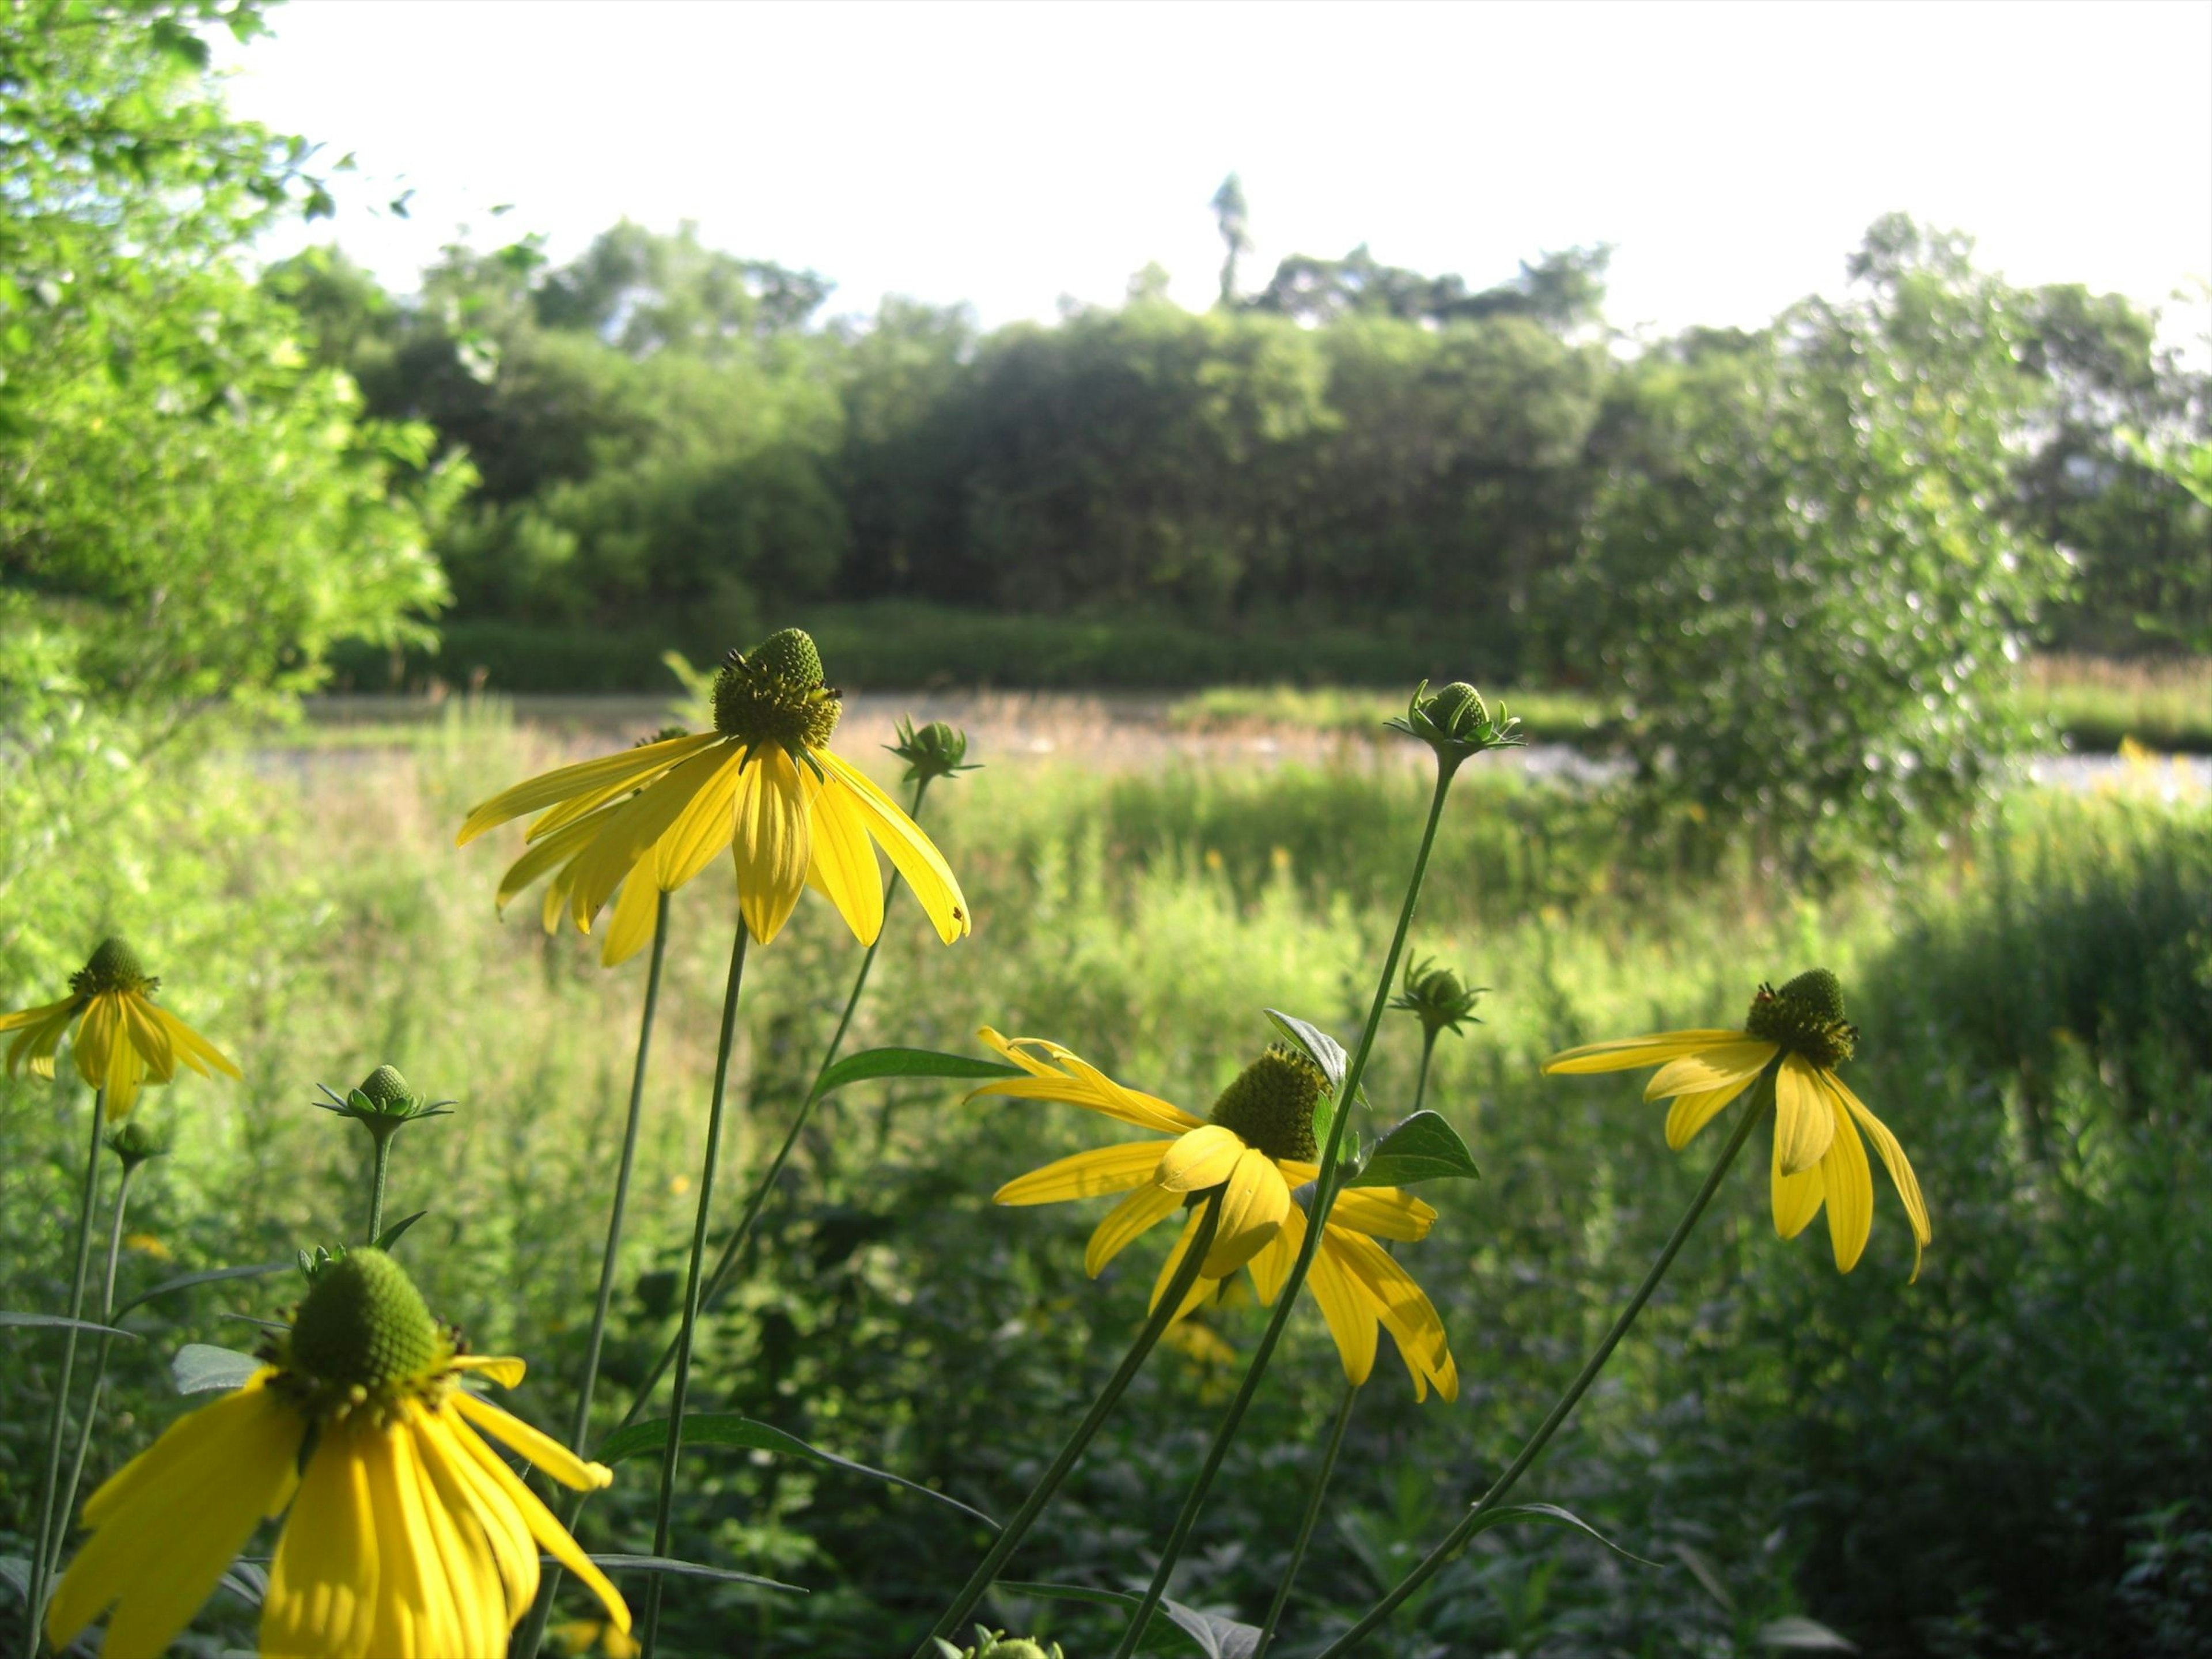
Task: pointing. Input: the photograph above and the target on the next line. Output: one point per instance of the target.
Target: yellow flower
(765, 783)
(408, 1537)
(122, 1040)
(1259, 1145)
(1818, 1155)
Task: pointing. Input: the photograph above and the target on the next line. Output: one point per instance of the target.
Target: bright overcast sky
(1008, 155)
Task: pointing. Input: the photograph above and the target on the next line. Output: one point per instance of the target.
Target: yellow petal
(1691, 1113)
(1127, 1221)
(195, 1050)
(1085, 1175)
(39, 1035)
(411, 1619)
(636, 911)
(1382, 1212)
(322, 1584)
(703, 828)
(543, 855)
(503, 1369)
(632, 830)
(1403, 1306)
(1350, 1315)
(1271, 1268)
(1712, 1068)
(772, 843)
(96, 1034)
(567, 781)
(504, 1531)
(844, 862)
(1199, 1158)
(1849, 1186)
(1200, 1287)
(535, 1446)
(1894, 1159)
(149, 1038)
(460, 1554)
(912, 853)
(1804, 1123)
(552, 1537)
(1058, 1073)
(1796, 1197)
(1251, 1205)
(1627, 1053)
(39, 1015)
(200, 1434)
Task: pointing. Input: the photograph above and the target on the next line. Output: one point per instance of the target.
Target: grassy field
(2008, 1457)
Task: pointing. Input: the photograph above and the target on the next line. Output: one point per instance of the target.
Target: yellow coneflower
(123, 1038)
(765, 783)
(1258, 1146)
(408, 1537)
(1818, 1156)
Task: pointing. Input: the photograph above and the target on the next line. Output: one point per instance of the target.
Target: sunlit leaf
(1423, 1148)
(212, 1276)
(200, 1367)
(909, 1062)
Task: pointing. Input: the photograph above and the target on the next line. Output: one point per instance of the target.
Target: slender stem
(1312, 1517)
(1162, 1314)
(534, 1632)
(68, 1505)
(1428, 1050)
(1762, 1097)
(42, 1561)
(1323, 1197)
(726, 1266)
(674, 1448)
(381, 1135)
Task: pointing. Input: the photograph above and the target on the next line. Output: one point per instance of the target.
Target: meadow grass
(2037, 1017)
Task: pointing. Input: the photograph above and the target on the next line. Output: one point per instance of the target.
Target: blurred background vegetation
(1813, 590)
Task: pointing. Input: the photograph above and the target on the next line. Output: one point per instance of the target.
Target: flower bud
(935, 751)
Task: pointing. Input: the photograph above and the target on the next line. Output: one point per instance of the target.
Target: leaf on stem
(674, 1569)
(213, 1275)
(1217, 1637)
(908, 1062)
(200, 1367)
(390, 1235)
(1423, 1148)
(1551, 1514)
(56, 1322)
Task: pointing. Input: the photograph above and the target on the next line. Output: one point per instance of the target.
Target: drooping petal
(460, 1549)
(912, 853)
(39, 1033)
(534, 1444)
(195, 1050)
(1058, 1073)
(564, 782)
(1894, 1159)
(172, 1520)
(1126, 1222)
(504, 1531)
(773, 844)
(1200, 1287)
(1804, 1123)
(149, 1038)
(1085, 1175)
(96, 1036)
(552, 1537)
(1629, 1054)
(1271, 1268)
(322, 1584)
(1848, 1185)
(1691, 1113)
(1736, 1063)
(542, 856)
(1402, 1306)
(1796, 1197)
(703, 828)
(1350, 1315)
(1253, 1201)
(588, 805)
(1199, 1158)
(503, 1369)
(413, 1614)
(637, 910)
(1381, 1211)
(43, 1011)
(632, 830)
(843, 859)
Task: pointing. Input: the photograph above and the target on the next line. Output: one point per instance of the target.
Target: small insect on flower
(408, 1537)
(763, 784)
(1801, 1032)
(122, 1039)
(1258, 1145)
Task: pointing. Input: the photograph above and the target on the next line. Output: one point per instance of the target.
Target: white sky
(1007, 155)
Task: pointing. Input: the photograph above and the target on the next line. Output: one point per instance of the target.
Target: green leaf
(390, 1235)
(674, 1569)
(1551, 1514)
(1803, 1635)
(201, 1367)
(729, 1429)
(213, 1275)
(908, 1062)
(1217, 1637)
(1326, 1052)
(58, 1322)
(16, 1571)
(1423, 1148)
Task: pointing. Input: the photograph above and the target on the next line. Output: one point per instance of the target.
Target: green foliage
(1798, 576)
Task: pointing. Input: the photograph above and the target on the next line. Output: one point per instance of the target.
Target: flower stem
(42, 1561)
(533, 1631)
(1312, 1518)
(674, 1447)
(381, 1135)
(1762, 1098)
(63, 1511)
(1009, 1538)
(1428, 1050)
(726, 1265)
(1324, 1196)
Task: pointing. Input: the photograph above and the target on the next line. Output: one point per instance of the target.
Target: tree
(1229, 213)
(1561, 290)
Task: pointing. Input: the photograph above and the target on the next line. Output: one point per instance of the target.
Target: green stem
(1324, 1196)
(42, 1562)
(1162, 1314)
(674, 1447)
(726, 1265)
(68, 1505)
(1312, 1517)
(1762, 1097)
(533, 1631)
(381, 1135)
(1428, 1049)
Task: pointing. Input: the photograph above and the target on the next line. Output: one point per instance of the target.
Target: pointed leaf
(56, 1322)
(1423, 1148)
(260, 1270)
(1551, 1514)
(729, 1429)
(908, 1062)
(200, 1367)
(247, 1582)
(1326, 1052)
(390, 1234)
(1217, 1637)
(674, 1569)
(16, 1571)
(1804, 1635)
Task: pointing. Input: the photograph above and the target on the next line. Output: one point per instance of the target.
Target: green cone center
(114, 966)
(1805, 1017)
(1270, 1106)
(364, 1325)
(774, 694)
(386, 1088)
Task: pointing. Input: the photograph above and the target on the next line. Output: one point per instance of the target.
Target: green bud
(1437, 998)
(935, 751)
(383, 1102)
(1456, 723)
(134, 1143)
